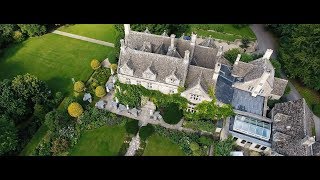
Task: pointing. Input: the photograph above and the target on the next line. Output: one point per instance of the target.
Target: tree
(56, 119)
(100, 91)
(224, 148)
(8, 135)
(6, 31)
(232, 54)
(33, 29)
(31, 89)
(245, 41)
(95, 64)
(78, 86)
(75, 109)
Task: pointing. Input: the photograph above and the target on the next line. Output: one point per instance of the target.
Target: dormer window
(149, 73)
(194, 97)
(126, 69)
(172, 78)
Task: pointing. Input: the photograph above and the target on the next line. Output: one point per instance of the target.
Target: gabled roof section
(200, 76)
(279, 86)
(204, 57)
(146, 47)
(208, 42)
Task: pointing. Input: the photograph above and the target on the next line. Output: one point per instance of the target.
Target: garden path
(96, 41)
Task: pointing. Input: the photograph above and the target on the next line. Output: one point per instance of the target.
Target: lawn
(104, 32)
(161, 146)
(53, 58)
(171, 113)
(311, 96)
(104, 141)
(223, 31)
(37, 137)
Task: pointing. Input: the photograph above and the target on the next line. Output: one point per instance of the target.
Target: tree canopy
(8, 135)
(299, 51)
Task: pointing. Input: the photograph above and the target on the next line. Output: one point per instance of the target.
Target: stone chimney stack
(267, 54)
(220, 51)
(216, 71)
(172, 37)
(186, 56)
(308, 141)
(238, 59)
(126, 31)
(193, 39)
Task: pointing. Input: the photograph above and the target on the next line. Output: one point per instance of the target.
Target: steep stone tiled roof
(292, 124)
(204, 57)
(242, 69)
(198, 75)
(316, 149)
(161, 65)
(208, 42)
(279, 86)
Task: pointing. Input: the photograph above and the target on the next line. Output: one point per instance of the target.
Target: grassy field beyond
(104, 32)
(53, 58)
(160, 146)
(104, 141)
(223, 31)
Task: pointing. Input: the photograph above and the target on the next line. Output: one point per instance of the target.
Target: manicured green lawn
(37, 137)
(228, 31)
(171, 114)
(311, 96)
(160, 146)
(53, 58)
(104, 32)
(104, 141)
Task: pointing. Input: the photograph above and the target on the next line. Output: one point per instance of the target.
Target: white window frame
(149, 85)
(195, 97)
(128, 81)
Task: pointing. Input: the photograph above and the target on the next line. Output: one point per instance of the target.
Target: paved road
(267, 41)
(104, 43)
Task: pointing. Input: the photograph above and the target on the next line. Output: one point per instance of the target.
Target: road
(266, 40)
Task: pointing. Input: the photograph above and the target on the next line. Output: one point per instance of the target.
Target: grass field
(104, 141)
(311, 96)
(37, 137)
(104, 32)
(160, 146)
(53, 58)
(222, 31)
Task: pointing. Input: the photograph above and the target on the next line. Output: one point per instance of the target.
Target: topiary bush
(100, 91)
(95, 64)
(132, 127)
(114, 67)
(172, 114)
(146, 131)
(75, 109)
(78, 86)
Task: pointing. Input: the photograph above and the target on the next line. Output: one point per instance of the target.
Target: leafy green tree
(6, 32)
(232, 54)
(56, 119)
(31, 89)
(33, 29)
(8, 135)
(223, 148)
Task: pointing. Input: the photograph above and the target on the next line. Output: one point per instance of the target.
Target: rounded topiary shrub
(114, 67)
(146, 131)
(132, 127)
(75, 109)
(194, 146)
(100, 91)
(78, 86)
(95, 64)
(171, 113)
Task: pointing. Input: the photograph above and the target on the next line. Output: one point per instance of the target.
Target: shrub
(132, 127)
(58, 97)
(223, 148)
(78, 86)
(206, 140)
(95, 64)
(172, 114)
(75, 109)
(18, 36)
(124, 148)
(146, 131)
(245, 41)
(204, 125)
(287, 90)
(245, 57)
(232, 54)
(100, 91)
(219, 28)
(101, 76)
(59, 146)
(140, 151)
(316, 109)
(194, 146)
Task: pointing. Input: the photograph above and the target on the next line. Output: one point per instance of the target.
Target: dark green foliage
(245, 41)
(316, 109)
(8, 135)
(132, 127)
(33, 29)
(231, 56)
(44, 147)
(223, 148)
(287, 90)
(272, 102)
(245, 57)
(58, 97)
(101, 76)
(124, 148)
(172, 114)
(176, 29)
(277, 67)
(239, 25)
(207, 141)
(299, 51)
(140, 151)
(56, 120)
(146, 131)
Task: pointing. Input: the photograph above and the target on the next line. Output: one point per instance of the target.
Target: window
(171, 91)
(191, 108)
(263, 148)
(235, 138)
(261, 91)
(250, 88)
(171, 80)
(243, 141)
(128, 81)
(150, 85)
(138, 82)
(257, 146)
(195, 97)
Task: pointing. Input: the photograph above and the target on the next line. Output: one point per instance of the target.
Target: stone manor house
(165, 63)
